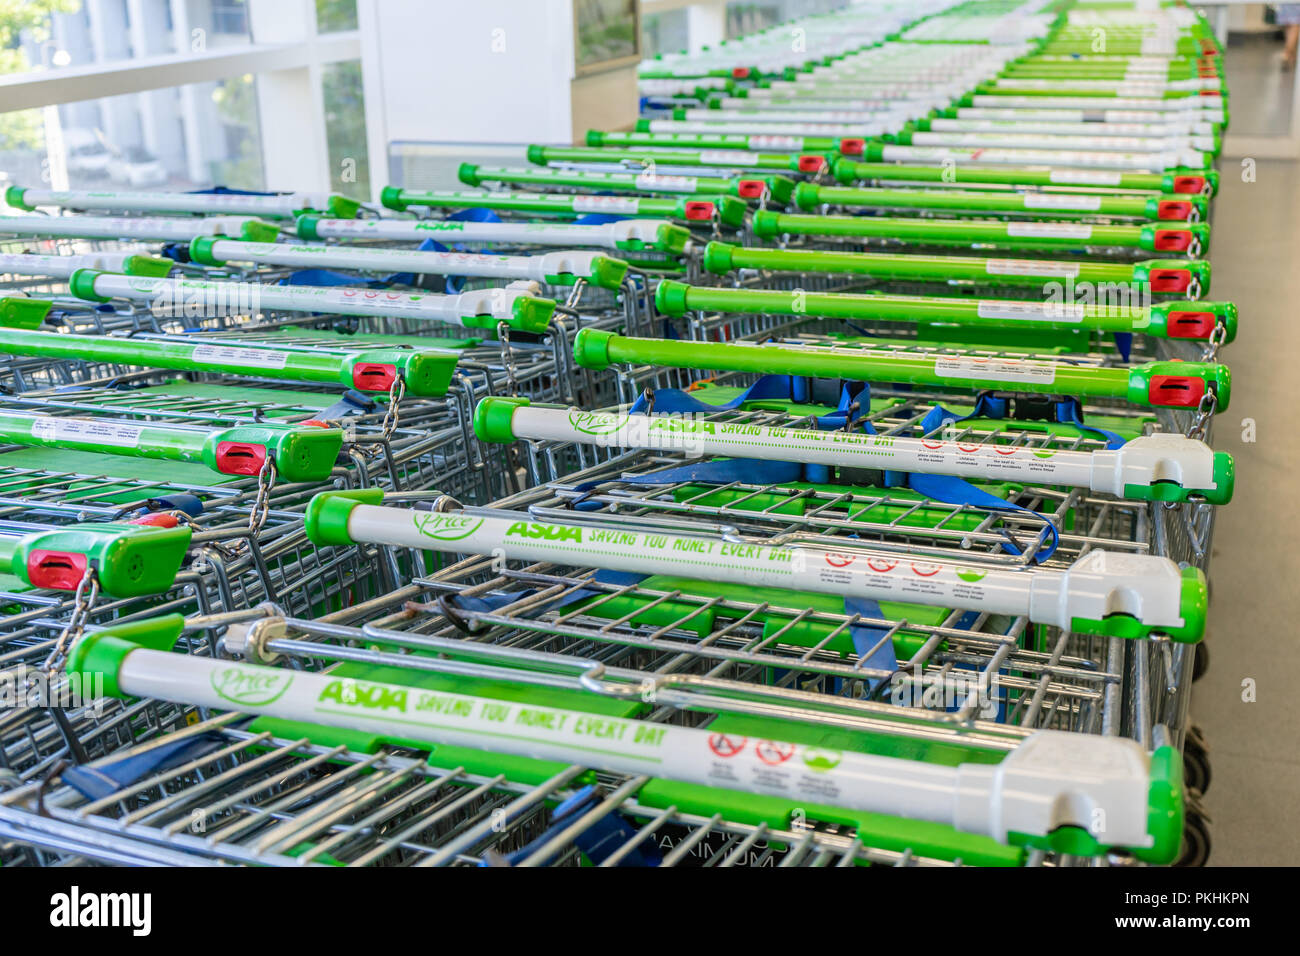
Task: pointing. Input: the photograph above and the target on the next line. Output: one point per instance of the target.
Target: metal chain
(1194, 248)
(396, 392)
(1218, 336)
(86, 594)
(1194, 288)
(1200, 426)
(508, 357)
(262, 504)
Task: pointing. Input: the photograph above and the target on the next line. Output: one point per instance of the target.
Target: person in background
(1288, 17)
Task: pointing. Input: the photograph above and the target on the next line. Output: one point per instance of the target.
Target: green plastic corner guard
(1193, 603)
(201, 251)
(527, 314)
(82, 284)
(14, 197)
(302, 453)
(1225, 479)
(305, 225)
(1165, 811)
(669, 238)
(390, 197)
(341, 207)
(1199, 268)
(147, 266)
(607, 272)
(591, 348)
(1217, 378)
(21, 312)
(467, 173)
(101, 653)
(257, 231)
(130, 560)
(328, 513)
(494, 418)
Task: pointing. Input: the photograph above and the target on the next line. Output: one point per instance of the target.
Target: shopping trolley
(269, 206)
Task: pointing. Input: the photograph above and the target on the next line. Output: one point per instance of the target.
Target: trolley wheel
(1201, 660)
(1196, 841)
(1196, 766)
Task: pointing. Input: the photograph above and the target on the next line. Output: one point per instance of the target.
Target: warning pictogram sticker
(773, 753)
(726, 745)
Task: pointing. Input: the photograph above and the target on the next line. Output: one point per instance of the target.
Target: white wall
(487, 71)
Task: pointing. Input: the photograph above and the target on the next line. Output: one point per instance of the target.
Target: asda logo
(548, 532)
(821, 761)
(246, 687)
(445, 527)
(594, 423)
(441, 226)
(352, 693)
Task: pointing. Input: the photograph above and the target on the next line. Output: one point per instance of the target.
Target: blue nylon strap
(1065, 411)
(1124, 344)
(351, 402)
(227, 191)
(104, 779)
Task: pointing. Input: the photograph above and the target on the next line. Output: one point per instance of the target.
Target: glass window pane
(606, 30)
(667, 32)
(345, 129)
(334, 16)
(186, 137)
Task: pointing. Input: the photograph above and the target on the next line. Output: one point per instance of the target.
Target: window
(345, 129)
(605, 31)
(667, 32)
(229, 16)
(336, 16)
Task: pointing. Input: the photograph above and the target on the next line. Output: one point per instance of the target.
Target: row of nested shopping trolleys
(818, 474)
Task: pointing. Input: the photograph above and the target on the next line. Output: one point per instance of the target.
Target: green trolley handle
(1151, 385)
(1166, 276)
(845, 146)
(300, 452)
(1178, 320)
(779, 188)
(1183, 237)
(424, 372)
(1076, 793)
(728, 210)
(1039, 205)
(804, 163)
(129, 560)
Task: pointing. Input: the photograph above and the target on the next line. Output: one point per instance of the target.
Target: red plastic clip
(811, 164)
(373, 377)
(1173, 240)
(698, 209)
(1170, 280)
(160, 519)
(1189, 325)
(750, 188)
(1177, 391)
(1173, 209)
(853, 147)
(240, 458)
(60, 570)
(740, 72)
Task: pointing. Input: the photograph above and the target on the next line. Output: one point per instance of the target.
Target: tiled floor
(1255, 597)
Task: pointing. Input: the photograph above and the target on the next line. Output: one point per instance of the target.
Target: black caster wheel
(1196, 762)
(1196, 841)
(1201, 661)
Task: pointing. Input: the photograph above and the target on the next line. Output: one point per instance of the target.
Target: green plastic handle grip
(129, 560)
(1185, 320)
(1163, 276)
(729, 210)
(1154, 384)
(779, 187)
(424, 372)
(1039, 205)
(301, 452)
(1149, 237)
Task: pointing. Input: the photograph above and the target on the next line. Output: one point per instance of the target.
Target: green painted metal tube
(424, 372)
(1174, 319)
(1178, 181)
(779, 187)
(1154, 384)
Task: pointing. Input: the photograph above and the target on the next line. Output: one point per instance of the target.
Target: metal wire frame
(261, 800)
